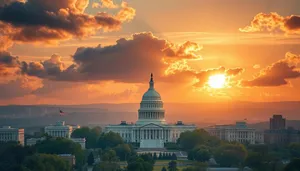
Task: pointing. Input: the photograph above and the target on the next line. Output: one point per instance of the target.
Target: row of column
(58, 133)
(150, 115)
(152, 134)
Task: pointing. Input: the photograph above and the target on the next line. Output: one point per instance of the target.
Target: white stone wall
(12, 134)
(242, 135)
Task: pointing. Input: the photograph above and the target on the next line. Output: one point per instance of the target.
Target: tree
(154, 156)
(160, 156)
(172, 166)
(294, 149)
(163, 169)
(12, 155)
(294, 165)
(190, 139)
(91, 159)
(255, 160)
(230, 155)
(91, 135)
(123, 151)
(110, 156)
(200, 153)
(106, 166)
(136, 163)
(61, 146)
(173, 157)
(109, 140)
(46, 162)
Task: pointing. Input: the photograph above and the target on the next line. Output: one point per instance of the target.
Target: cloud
(105, 4)
(19, 87)
(203, 76)
(8, 63)
(256, 66)
(234, 71)
(129, 60)
(274, 23)
(277, 74)
(54, 20)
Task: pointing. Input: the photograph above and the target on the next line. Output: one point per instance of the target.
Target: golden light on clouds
(217, 81)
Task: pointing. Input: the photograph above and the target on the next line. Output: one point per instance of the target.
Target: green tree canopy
(46, 162)
(294, 149)
(294, 165)
(91, 159)
(109, 156)
(172, 166)
(123, 151)
(200, 153)
(12, 155)
(190, 139)
(61, 146)
(91, 135)
(139, 164)
(230, 154)
(109, 140)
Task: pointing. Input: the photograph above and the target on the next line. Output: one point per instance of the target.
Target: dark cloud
(129, 60)
(234, 71)
(53, 20)
(19, 87)
(274, 22)
(276, 74)
(8, 63)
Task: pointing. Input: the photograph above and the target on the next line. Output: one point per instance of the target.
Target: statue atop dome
(151, 83)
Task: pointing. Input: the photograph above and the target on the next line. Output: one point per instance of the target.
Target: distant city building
(80, 141)
(239, 132)
(278, 134)
(8, 134)
(151, 129)
(277, 122)
(60, 130)
(33, 141)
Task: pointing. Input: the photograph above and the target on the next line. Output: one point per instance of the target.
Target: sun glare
(217, 81)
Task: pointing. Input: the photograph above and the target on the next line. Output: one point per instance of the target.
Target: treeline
(203, 148)
(41, 157)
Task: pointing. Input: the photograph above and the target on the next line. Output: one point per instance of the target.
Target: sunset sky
(103, 51)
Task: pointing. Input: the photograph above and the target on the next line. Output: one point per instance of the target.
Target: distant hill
(202, 114)
(265, 125)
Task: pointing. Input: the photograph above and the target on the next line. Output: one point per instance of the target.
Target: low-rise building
(278, 134)
(60, 130)
(33, 141)
(8, 134)
(80, 141)
(69, 158)
(239, 132)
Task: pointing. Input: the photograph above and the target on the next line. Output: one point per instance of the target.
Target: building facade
(33, 141)
(239, 132)
(60, 130)
(8, 134)
(278, 134)
(151, 129)
(277, 122)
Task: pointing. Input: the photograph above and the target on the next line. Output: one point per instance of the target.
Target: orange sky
(54, 56)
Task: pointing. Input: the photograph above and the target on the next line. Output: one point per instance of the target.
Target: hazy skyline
(70, 52)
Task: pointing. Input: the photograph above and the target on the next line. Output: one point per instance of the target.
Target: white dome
(151, 94)
(151, 107)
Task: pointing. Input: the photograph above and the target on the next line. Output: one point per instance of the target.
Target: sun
(217, 81)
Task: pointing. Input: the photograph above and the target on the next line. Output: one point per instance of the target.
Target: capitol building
(151, 129)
